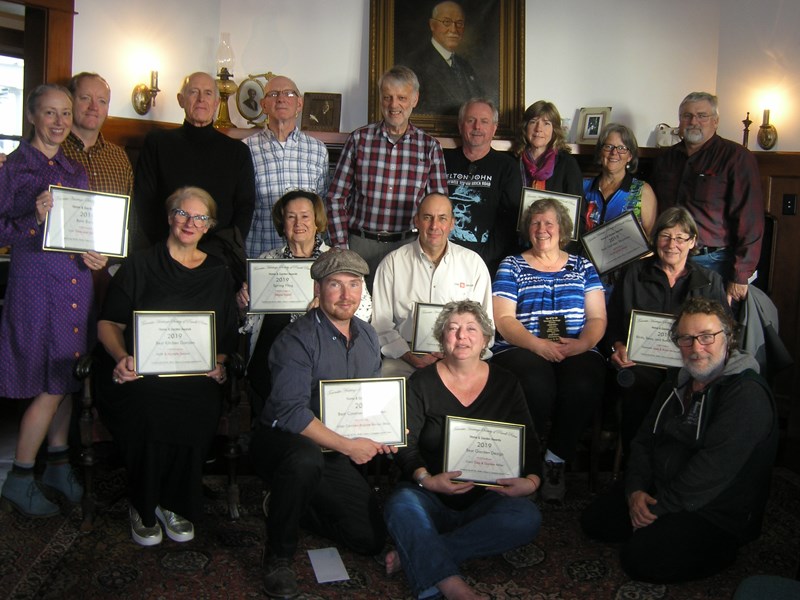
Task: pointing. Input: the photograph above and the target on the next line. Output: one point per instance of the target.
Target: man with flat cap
(322, 491)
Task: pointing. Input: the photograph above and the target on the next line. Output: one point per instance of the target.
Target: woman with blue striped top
(549, 308)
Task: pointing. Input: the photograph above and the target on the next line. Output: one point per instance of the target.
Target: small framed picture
(321, 112)
(248, 100)
(591, 122)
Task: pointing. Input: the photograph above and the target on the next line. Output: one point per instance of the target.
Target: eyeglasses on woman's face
(181, 216)
(667, 239)
(609, 148)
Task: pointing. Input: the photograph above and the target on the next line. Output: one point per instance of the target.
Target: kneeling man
(323, 491)
(699, 471)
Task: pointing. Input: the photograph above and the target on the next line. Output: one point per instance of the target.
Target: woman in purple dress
(45, 322)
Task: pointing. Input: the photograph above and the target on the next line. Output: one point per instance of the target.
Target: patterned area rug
(50, 558)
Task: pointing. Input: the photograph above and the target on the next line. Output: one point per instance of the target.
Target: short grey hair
(701, 97)
(186, 80)
(184, 193)
(562, 216)
(487, 101)
(400, 74)
(628, 139)
(461, 307)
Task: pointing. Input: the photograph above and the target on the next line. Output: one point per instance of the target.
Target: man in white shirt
(429, 270)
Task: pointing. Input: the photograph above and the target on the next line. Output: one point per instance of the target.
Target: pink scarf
(539, 171)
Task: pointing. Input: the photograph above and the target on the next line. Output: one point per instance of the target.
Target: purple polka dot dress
(47, 314)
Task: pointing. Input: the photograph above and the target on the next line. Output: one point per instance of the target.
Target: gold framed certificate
(616, 243)
(570, 202)
(174, 343)
(425, 315)
(365, 408)
(484, 451)
(649, 341)
(279, 285)
(81, 220)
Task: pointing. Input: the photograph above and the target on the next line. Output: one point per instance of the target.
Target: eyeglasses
(181, 216)
(701, 117)
(666, 238)
(610, 148)
(285, 93)
(448, 23)
(687, 341)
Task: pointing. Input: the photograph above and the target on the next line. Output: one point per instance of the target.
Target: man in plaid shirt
(284, 158)
(384, 172)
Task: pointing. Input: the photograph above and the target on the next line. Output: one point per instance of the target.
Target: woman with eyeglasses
(299, 217)
(616, 190)
(544, 155)
(164, 426)
(660, 283)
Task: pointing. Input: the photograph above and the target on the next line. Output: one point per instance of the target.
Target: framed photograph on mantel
(484, 45)
(321, 111)
(591, 122)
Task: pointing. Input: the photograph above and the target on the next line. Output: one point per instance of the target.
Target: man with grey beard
(718, 182)
(698, 476)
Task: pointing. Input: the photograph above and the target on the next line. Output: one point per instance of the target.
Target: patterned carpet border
(49, 559)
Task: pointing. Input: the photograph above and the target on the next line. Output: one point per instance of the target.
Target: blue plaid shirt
(300, 162)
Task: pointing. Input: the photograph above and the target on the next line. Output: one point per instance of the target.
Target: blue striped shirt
(539, 294)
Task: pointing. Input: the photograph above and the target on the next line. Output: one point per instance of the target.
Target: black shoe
(279, 578)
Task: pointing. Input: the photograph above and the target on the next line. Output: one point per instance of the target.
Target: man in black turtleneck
(197, 154)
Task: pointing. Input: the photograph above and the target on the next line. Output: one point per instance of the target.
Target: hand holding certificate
(484, 451)
(616, 243)
(649, 340)
(174, 343)
(365, 408)
(80, 221)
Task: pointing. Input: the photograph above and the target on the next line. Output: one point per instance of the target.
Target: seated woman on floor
(299, 216)
(164, 425)
(438, 523)
(550, 310)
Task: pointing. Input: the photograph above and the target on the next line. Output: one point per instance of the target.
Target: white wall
(640, 57)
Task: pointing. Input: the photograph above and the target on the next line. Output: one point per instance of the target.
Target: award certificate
(81, 220)
(366, 408)
(616, 243)
(425, 316)
(484, 451)
(649, 342)
(570, 202)
(279, 285)
(174, 343)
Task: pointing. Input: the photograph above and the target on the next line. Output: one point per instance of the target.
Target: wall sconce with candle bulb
(767, 134)
(144, 97)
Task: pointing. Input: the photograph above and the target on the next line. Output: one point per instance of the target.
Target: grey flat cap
(338, 260)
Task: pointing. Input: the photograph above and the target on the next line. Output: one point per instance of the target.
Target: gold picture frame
(493, 40)
(591, 123)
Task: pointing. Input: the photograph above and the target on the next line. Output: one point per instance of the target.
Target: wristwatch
(422, 477)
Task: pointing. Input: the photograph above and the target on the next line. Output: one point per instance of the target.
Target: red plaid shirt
(378, 184)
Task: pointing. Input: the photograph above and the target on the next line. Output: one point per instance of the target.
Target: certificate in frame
(484, 451)
(82, 220)
(373, 408)
(570, 202)
(174, 343)
(616, 243)
(649, 341)
(278, 285)
(425, 315)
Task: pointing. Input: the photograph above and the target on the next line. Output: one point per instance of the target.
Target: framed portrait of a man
(459, 50)
(248, 100)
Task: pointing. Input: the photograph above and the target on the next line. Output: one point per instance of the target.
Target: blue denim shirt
(307, 351)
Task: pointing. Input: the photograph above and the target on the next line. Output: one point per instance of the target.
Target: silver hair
(487, 101)
(458, 308)
(700, 97)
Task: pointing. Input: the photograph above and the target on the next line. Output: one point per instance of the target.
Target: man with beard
(718, 181)
(698, 475)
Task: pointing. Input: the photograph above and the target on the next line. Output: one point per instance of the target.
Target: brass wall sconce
(144, 97)
(767, 134)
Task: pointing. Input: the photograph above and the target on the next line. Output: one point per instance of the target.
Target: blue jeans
(720, 262)
(433, 540)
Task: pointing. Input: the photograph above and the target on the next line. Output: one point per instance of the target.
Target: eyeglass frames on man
(285, 93)
(705, 339)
